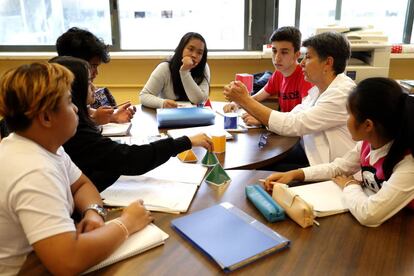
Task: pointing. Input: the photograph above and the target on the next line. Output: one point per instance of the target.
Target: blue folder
(185, 117)
(229, 236)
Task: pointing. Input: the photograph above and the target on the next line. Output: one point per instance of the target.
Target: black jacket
(104, 160)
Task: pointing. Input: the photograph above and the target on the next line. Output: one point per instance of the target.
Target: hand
(285, 178)
(231, 107)
(201, 140)
(136, 217)
(124, 114)
(188, 63)
(90, 221)
(236, 91)
(169, 104)
(102, 115)
(343, 181)
(250, 120)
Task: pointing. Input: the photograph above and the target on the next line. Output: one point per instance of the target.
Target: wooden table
(242, 152)
(339, 246)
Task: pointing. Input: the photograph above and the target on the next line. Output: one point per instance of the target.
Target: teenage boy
(287, 82)
(85, 45)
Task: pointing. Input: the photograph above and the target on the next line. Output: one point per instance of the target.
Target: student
(380, 117)
(83, 44)
(320, 119)
(104, 160)
(287, 82)
(185, 77)
(41, 187)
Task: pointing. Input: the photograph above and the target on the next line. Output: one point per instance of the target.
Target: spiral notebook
(149, 237)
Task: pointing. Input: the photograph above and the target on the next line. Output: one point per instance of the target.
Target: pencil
(121, 104)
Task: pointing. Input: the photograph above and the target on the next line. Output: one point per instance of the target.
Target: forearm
(85, 194)
(71, 254)
(256, 109)
(195, 93)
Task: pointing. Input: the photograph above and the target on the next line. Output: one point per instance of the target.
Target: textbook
(229, 236)
(326, 197)
(113, 129)
(149, 237)
(183, 117)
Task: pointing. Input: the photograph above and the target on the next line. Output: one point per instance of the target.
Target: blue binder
(185, 117)
(229, 236)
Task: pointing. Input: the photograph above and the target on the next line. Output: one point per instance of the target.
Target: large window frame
(261, 18)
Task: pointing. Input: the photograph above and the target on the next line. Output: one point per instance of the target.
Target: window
(312, 18)
(286, 13)
(160, 24)
(41, 22)
(384, 15)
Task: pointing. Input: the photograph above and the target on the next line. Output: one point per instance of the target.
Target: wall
(126, 77)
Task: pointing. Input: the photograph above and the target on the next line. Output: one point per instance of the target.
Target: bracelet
(122, 225)
(350, 181)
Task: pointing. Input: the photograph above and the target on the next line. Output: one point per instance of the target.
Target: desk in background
(242, 152)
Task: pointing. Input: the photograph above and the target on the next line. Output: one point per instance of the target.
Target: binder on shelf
(229, 236)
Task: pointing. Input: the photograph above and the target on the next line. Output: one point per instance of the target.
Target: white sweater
(160, 86)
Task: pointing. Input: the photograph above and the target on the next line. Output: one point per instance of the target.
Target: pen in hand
(121, 104)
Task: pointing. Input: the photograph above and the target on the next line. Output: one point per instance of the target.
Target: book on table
(169, 188)
(228, 235)
(325, 197)
(113, 129)
(143, 240)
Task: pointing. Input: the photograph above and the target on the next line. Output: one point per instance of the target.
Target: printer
(370, 52)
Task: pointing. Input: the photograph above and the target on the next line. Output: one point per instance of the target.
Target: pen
(261, 180)
(115, 209)
(121, 104)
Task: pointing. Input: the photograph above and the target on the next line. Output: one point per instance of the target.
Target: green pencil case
(264, 203)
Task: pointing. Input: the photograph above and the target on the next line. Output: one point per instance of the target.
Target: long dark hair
(80, 85)
(392, 111)
(175, 63)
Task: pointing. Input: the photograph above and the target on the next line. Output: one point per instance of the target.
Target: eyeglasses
(263, 139)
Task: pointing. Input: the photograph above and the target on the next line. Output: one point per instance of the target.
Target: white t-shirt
(35, 199)
(321, 121)
(160, 86)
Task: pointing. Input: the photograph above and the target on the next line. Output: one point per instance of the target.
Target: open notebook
(143, 240)
(326, 197)
(169, 188)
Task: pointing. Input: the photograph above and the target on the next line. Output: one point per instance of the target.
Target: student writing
(380, 118)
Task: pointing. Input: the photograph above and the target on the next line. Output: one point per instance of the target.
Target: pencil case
(264, 203)
(296, 208)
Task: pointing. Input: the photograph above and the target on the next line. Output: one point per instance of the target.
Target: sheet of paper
(209, 130)
(324, 196)
(157, 194)
(175, 170)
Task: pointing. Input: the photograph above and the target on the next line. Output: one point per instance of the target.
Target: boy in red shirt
(287, 82)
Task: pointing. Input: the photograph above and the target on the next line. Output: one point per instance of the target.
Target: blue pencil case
(265, 203)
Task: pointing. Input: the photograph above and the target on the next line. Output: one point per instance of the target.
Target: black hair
(82, 44)
(331, 44)
(175, 63)
(383, 101)
(290, 34)
(80, 85)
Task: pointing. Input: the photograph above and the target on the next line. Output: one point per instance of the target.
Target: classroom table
(242, 152)
(339, 246)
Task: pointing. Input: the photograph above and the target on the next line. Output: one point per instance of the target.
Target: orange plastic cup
(219, 143)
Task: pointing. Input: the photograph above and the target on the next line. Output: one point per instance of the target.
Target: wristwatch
(97, 208)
